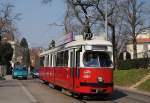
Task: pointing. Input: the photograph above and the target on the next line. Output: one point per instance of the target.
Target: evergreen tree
(6, 53)
(26, 54)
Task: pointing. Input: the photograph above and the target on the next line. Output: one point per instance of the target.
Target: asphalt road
(34, 91)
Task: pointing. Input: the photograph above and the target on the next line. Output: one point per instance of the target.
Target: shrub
(134, 63)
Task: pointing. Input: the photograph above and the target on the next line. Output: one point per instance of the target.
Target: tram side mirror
(79, 49)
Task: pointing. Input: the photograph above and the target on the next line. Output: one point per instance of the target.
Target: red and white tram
(82, 66)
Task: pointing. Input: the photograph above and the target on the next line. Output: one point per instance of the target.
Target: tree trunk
(134, 48)
(114, 46)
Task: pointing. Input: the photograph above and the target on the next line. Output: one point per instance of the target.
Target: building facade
(15, 44)
(34, 56)
(143, 45)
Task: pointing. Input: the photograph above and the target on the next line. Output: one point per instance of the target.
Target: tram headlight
(87, 74)
(100, 79)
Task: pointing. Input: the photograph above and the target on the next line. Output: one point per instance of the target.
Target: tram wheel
(66, 92)
(77, 96)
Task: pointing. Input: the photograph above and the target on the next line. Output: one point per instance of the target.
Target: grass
(145, 86)
(127, 78)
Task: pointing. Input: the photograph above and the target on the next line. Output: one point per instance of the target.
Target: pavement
(132, 90)
(33, 91)
(8, 77)
(129, 89)
(12, 92)
(140, 81)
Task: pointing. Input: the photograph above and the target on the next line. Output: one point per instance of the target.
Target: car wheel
(25, 78)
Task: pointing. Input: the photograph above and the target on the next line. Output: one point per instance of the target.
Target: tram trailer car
(82, 67)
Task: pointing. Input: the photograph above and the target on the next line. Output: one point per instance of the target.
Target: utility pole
(106, 29)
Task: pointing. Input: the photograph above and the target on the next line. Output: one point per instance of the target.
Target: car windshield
(96, 59)
(19, 67)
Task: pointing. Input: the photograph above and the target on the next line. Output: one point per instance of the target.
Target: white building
(143, 45)
(17, 49)
(17, 52)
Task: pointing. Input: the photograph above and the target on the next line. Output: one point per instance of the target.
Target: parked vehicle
(19, 72)
(35, 73)
(82, 67)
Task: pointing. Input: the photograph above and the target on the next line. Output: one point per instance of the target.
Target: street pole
(106, 29)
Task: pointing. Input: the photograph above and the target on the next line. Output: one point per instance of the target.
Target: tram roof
(78, 41)
(96, 40)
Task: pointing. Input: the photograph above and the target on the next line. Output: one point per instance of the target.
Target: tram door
(72, 68)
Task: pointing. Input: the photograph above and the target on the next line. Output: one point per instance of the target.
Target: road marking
(29, 95)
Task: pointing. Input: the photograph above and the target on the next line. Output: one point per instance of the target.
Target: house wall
(140, 50)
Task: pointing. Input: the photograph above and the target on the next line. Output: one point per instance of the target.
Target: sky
(35, 20)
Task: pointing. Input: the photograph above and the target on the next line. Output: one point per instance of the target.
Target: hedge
(134, 63)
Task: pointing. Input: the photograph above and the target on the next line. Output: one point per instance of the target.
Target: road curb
(8, 77)
(131, 90)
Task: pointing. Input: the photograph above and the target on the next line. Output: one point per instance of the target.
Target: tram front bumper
(95, 88)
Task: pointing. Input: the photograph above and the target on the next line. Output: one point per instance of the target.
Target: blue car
(20, 72)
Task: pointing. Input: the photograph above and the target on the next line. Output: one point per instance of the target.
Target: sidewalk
(131, 90)
(8, 77)
(140, 82)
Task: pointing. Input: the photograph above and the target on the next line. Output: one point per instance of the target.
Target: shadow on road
(116, 95)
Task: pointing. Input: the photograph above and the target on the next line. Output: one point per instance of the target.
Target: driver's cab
(94, 57)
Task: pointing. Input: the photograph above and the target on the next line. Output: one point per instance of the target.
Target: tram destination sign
(96, 47)
(99, 47)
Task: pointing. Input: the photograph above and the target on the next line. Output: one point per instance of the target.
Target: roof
(96, 40)
(78, 40)
(143, 40)
(140, 41)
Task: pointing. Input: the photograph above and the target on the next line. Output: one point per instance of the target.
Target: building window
(145, 46)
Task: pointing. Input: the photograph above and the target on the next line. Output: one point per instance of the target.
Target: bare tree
(80, 9)
(124, 17)
(77, 17)
(7, 19)
(135, 19)
(111, 18)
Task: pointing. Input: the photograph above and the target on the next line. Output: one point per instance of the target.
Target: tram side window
(47, 60)
(62, 58)
(58, 60)
(65, 58)
(78, 58)
(41, 61)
